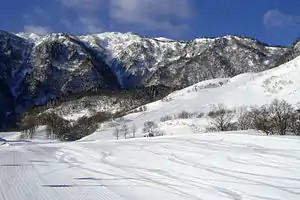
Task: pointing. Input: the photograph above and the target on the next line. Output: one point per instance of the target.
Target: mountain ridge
(34, 37)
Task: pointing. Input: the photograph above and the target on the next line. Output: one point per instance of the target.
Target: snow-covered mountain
(148, 61)
(36, 68)
(137, 60)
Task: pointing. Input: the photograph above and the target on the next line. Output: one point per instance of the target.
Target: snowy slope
(200, 167)
(10, 136)
(248, 89)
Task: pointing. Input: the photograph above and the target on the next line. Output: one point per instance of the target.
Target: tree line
(59, 128)
(277, 118)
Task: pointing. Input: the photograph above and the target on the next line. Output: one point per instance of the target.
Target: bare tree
(281, 114)
(166, 118)
(275, 118)
(260, 119)
(221, 118)
(295, 122)
(117, 133)
(150, 128)
(184, 115)
(133, 129)
(244, 121)
(49, 132)
(28, 126)
(125, 130)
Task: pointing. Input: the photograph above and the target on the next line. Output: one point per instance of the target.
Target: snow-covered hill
(248, 89)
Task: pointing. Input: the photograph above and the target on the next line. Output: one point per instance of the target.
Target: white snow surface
(32, 37)
(10, 135)
(219, 166)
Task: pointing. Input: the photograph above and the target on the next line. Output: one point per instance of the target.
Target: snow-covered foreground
(216, 166)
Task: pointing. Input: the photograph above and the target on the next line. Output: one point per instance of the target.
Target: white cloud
(164, 15)
(37, 29)
(41, 13)
(38, 16)
(82, 4)
(28, 19)
(151, 13)
(87, 22)
(67, 23)
(91, 24)
(275, 18)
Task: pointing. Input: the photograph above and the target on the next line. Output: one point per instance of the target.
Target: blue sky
(271, 21)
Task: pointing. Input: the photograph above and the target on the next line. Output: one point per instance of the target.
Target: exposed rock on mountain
(148, 61)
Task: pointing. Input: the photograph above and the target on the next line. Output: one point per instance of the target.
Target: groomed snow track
(200, 167)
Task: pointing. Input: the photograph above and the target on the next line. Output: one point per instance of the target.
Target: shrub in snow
(149, 126)
(221, 118)
(244, 120)
(140, 109)
(167, 99)
(277, 118)
(272, 119)
(143, 108)
(188, 115)
(151, 129)
(199, 115)
(166, 118)
(184, 115)
(281, 116)
(295, 122)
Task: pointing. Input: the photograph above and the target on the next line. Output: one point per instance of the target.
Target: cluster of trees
(150, 129)
(182, 115)
(277, 118)
(126, 131)
(28, 126)
(59, 128)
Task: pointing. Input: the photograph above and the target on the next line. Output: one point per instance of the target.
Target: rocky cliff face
(148, 61)
(14, 67)
(34, 69)
(62, 64)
